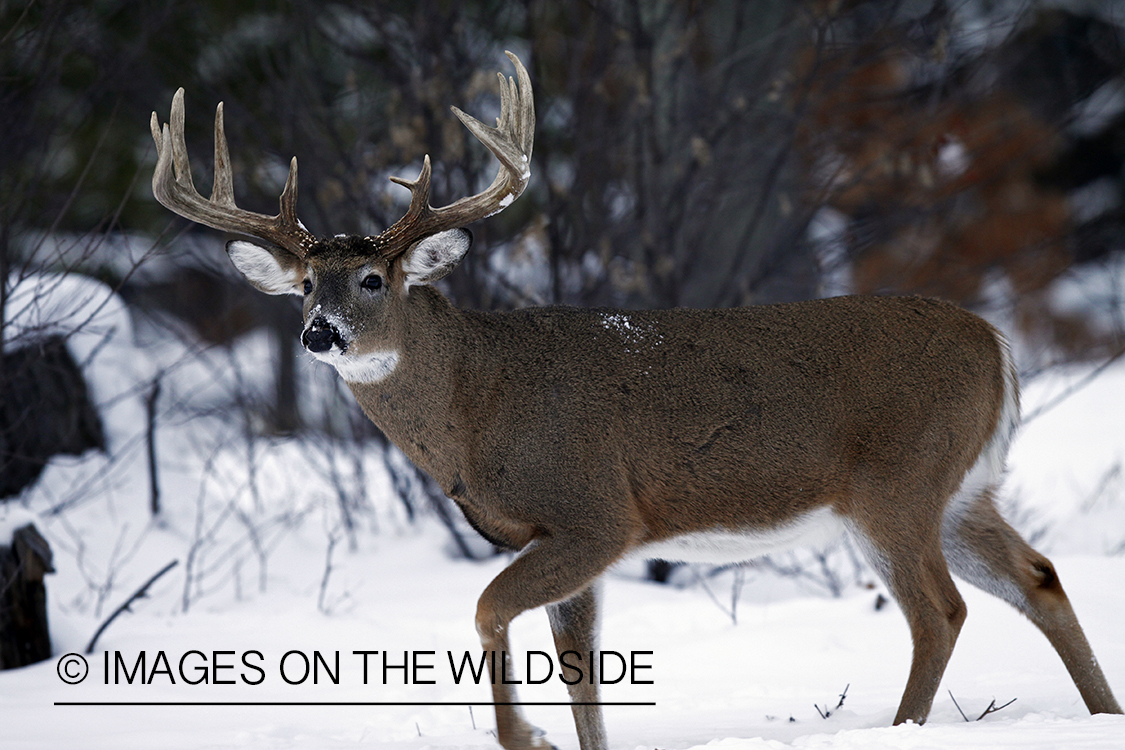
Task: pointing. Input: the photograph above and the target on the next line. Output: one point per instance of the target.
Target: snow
(1066, 465)
(506, 201)
(715, 683)
(13, 518)
(267, 567)
(636, 336)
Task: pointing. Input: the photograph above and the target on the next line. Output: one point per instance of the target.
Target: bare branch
(140, 593)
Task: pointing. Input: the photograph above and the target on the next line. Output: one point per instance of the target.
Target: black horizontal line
(351, 703)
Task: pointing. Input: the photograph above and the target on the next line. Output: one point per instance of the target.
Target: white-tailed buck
(580, 437)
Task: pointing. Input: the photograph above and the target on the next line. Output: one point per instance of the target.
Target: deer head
(350, 283)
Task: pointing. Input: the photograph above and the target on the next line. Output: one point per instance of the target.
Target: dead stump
(24, 637)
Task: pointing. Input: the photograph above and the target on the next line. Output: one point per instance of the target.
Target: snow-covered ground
(266, 570)
(751, 685)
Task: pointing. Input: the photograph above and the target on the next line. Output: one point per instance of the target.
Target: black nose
(320, 336)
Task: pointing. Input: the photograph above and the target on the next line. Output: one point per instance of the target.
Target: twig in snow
(992, 708)
(150, 440)
(702, 581)
(958, 706)
(828, 712)
(140, 593)
(320, 600)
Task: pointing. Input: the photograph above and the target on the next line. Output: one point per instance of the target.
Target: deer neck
(412, 405)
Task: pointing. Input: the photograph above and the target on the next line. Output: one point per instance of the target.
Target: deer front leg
(550, 569)
(574, 623)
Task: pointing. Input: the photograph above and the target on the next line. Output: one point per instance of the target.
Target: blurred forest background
(689, 153)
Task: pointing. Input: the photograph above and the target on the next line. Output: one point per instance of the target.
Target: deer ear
(269, 270)
(434, 257)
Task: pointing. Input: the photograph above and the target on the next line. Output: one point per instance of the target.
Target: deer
(578, 438)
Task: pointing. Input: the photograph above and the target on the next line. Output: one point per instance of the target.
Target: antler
(177, 191)
(510, 141)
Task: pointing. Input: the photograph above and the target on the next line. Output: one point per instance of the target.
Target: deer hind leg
(574, 624)
(913, 567)
(551, 569)
(984, 550)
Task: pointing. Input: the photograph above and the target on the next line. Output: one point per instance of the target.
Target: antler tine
(288, 202)
(526, 120)
(222, 194)
(179, 145)
(506, 98)
(510, 141)
(419, 190)
(172, 185)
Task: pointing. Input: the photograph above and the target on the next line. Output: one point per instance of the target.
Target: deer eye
(308, 286)
(373, 282)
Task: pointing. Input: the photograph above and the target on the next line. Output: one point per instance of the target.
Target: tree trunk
(285, 324)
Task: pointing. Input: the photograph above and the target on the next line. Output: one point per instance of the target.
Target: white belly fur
(724, 546)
